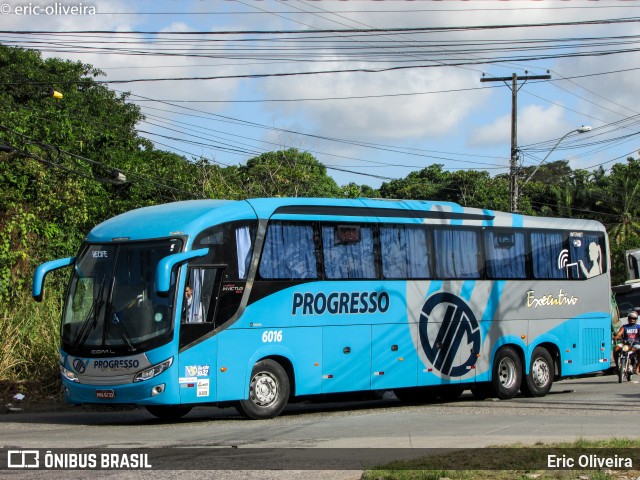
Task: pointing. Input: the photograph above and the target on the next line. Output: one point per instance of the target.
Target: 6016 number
(271, 336)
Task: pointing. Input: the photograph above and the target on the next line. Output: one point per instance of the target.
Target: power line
(608, 21)
(376, 146)
(385, 12)
(57, 149)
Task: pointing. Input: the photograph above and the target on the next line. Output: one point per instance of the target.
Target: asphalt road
(590, 408)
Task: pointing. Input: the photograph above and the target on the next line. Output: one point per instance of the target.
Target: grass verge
(458, 464)
(29, 333)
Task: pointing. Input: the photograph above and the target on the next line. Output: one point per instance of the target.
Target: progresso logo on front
(340, 303)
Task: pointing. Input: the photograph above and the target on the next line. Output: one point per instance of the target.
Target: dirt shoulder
(17, 397)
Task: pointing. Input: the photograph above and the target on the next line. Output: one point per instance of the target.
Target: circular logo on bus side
(448, 329)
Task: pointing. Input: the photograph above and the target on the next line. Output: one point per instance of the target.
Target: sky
(373, 89)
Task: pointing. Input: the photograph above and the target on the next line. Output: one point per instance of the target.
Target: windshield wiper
(89, 323)
(124, 334)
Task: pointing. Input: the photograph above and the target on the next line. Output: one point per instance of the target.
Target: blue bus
(256, 302)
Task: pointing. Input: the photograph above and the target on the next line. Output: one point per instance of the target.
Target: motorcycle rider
(629, 333)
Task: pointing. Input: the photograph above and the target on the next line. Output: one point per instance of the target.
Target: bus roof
(191, 217)
(159, 221)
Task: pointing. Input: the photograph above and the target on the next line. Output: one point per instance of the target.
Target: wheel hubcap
(264, 389)
(507, 372)
(540, 372)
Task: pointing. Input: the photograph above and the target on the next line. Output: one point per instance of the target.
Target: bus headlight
(69, 375)
(153, 371)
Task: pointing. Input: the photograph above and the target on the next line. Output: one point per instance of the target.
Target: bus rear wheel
(540, 378)
(168, 412)
(268, 391)
(507, 373)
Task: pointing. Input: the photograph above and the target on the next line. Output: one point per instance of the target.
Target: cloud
(535, 123)
(392, 117)
(437, 121)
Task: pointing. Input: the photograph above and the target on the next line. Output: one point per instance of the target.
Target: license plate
(105, 394)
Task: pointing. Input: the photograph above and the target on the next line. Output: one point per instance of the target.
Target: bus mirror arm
(37, 290)
(165, 266)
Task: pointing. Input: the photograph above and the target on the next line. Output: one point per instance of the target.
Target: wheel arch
(515, 343)
(519, 349)
(287, 365)
(553, 350)
(282, 357)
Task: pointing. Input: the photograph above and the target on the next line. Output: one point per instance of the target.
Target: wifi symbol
(563, 258)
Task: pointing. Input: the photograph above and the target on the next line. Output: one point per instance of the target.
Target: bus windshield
(111, 306)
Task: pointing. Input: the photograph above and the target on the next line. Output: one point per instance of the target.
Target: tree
(60, 155)
(477, 189)
(213, 181)
(353, 190)
(624, 202)
(287, 173)
(426, 184)
(469, 188)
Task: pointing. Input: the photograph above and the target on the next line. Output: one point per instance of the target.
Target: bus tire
(507, 373)
(268, 391)
(540, 378)
(168, 412)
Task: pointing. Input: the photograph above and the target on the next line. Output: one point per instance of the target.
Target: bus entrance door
(197, 360)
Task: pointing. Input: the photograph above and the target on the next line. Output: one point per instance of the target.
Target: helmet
(633, 317)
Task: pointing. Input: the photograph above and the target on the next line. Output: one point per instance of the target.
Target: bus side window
(231, 245)
(289, 252)
(404, 252)
(505, 253)
(550, 258)
(587, 250)
(244, 249)
(201, 295)
(457, 253)
(348, 251)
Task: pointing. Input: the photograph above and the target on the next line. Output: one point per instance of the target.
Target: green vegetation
(57, 164)
(439, 466)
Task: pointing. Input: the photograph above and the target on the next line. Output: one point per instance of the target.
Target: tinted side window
(588, 252)
(348, 251)
(289, 252)
(230, 244)
(550, 258)
(405, 252)
(457, 253)
(506, 254)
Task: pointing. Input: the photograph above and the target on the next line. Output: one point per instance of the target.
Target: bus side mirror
(163, 270)
(37, 290)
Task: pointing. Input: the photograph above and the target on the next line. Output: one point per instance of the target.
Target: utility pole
(513, 163)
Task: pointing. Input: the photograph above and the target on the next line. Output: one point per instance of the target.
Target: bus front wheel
(507, 373)
(268, 391)
(540, 378)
